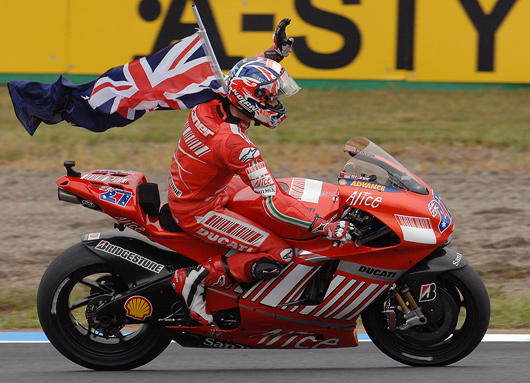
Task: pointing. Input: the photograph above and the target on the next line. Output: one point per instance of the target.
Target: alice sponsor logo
(295, 339)
(261, 179)
(130, 224)
(360, 198)
(287, 254)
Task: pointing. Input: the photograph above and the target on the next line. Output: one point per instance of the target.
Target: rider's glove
(338, 230)
(284, 46)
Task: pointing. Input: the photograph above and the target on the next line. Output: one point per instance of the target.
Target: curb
(40, 337)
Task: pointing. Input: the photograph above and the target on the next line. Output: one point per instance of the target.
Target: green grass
(319, 121)
(18, 309)
(509, 310)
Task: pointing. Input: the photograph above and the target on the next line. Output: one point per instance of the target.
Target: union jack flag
(165, 79)
(178, 77)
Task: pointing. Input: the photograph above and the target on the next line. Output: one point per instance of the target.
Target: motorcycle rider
(213, 148)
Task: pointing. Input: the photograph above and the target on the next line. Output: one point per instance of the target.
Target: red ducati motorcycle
(106, 303)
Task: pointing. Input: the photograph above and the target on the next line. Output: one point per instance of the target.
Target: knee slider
(265, 268)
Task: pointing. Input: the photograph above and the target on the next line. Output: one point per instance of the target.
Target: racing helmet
(253, 83)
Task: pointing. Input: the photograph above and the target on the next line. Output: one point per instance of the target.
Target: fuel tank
(317, 196)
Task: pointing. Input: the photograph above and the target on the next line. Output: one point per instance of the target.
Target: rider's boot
(191, 283)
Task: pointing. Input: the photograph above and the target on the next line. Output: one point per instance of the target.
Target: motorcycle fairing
(336, 314)
(262, 307)
(426, 271)
(362, 271)
(343, 301)
(278, 338)
(133, 256)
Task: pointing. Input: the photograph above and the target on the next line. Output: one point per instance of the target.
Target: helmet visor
(287, 85)
(281, 87)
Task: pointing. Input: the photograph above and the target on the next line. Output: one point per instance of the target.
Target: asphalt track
(498, 358)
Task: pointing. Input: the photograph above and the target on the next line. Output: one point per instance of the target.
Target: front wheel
(75, 279)
(455, 333)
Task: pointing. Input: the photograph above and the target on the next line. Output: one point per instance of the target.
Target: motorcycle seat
(167, 221)
(149, 201)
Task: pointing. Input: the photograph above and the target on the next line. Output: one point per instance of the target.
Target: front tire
(464, 320)
(70, 283)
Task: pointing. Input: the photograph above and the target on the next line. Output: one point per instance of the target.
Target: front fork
(412, 313)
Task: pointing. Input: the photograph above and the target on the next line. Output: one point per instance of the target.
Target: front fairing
(373, 181)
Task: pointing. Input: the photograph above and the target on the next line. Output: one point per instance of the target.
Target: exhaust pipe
(66, 196)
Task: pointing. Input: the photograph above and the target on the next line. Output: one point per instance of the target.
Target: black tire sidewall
(467, 339)
(68, 267)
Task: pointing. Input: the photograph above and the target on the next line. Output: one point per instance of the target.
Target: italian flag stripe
(275, 213)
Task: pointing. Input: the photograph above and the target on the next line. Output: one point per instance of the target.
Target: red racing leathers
(214, 147)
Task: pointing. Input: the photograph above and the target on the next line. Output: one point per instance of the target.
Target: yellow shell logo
(138, 307)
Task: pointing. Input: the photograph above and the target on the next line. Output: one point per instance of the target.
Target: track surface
(490, 362)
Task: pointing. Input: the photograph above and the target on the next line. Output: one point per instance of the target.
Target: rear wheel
(455, 332)
(70, 288)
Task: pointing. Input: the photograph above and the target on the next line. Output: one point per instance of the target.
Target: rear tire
(72, 280)
(464, 321)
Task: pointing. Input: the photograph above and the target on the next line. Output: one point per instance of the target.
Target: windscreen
(370, 163)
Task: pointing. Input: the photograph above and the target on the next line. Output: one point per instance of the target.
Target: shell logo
(138, 307)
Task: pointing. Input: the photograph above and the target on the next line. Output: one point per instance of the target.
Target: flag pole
(209, 50)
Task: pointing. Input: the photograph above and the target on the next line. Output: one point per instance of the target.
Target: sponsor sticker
(438, 210)
(130, 224)
(457, 260)
(376, 273)
(231, 232)
(416, 229)
(128, 255)
(248, 154)
(295, 339)
(199, 125)
(261, 179)
(115, 196)
(138, 307)
(92, 236)
(193, 143)
(428, 292)
(306, 190)
(360, 198)
(105, 178)
(353, 176)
